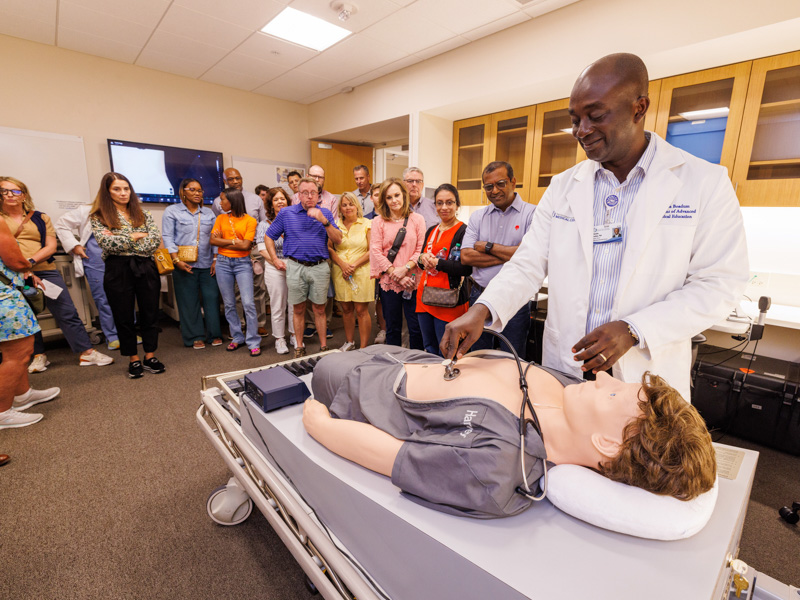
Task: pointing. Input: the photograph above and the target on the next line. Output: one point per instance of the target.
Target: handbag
(189, 254)
(32, 294)
(163, 261)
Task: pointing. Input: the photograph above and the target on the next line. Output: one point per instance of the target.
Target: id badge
(603, 234)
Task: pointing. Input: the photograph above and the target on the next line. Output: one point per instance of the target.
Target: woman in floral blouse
(129, 237)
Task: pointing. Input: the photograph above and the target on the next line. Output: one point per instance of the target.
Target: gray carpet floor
(106, 497)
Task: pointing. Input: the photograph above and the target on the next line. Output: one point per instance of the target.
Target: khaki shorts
(307, 283)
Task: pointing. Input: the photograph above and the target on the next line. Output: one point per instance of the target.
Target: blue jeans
(516, 330)
(65, 315)
(238, 270)
(94, 269)
(394, 307)
(432, 331)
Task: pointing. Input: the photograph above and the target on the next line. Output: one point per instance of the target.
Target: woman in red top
(441, 263)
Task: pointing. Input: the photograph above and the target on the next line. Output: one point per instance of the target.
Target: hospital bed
(356, 536)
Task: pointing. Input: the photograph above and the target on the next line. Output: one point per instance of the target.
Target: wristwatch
(488, 247)
(32, 261)
(326, 223)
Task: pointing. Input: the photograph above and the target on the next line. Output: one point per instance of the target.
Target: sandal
(198, 345)
(323, 348)
(255, 352)
(232, 346)
(216, 342)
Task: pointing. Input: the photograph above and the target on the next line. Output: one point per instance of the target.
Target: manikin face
(293, 181)
(120, 192)
(233, 178)
(394, 199)
(501, 197)
(308, 195)
(348, 209)
(278, 202)
(446, 207)
(362, 180)
(9, 199)
(602, 407)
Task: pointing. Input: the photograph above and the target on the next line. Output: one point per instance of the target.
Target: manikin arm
(362, 443)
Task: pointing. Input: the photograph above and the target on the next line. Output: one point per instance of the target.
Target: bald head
(233, 178)
(619, 70)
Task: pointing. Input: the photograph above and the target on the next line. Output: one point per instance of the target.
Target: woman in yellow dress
(350, 271)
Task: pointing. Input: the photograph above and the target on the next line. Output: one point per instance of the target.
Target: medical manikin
(453, 444)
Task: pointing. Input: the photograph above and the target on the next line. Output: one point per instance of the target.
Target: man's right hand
(80, 251)
(280, 265)
(459, 335)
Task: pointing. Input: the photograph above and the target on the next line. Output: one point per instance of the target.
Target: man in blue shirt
(306, 229)
(493, 236)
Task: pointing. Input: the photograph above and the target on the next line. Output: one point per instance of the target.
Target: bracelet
(633, 334)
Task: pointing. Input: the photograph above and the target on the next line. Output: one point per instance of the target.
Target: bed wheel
(96, 338)
(310, 586)
(229, 504)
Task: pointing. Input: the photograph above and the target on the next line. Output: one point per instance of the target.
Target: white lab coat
(685, 264)
(66, 226)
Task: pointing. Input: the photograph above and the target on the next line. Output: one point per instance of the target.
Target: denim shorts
(307, 283)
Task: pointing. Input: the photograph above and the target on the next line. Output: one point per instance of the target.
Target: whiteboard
(270, 173)
(52, 165)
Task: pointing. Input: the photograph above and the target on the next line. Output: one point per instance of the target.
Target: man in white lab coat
(643, 244)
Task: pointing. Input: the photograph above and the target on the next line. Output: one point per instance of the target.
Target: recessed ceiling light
(708, 113)
(305, 30)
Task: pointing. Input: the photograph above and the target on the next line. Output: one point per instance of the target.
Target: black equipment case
(757, 400)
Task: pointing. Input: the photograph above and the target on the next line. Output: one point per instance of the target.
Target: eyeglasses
(318, 177)
(193, 190)
(5, 192)
(414, 181)
(440, 203)
(501, 185)
(306, 194)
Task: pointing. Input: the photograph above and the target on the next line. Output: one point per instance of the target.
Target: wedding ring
(601, 355)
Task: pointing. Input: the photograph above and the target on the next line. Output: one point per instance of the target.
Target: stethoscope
(451, 373)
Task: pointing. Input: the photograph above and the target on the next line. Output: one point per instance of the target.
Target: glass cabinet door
(469, 157)
(767, 171)
(701, 112)
(512, 142)
(554, 148)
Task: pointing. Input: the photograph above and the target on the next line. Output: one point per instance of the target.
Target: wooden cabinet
(554, 148)
(767, 169)
(470, 155)
(702, 112)
(511, 140)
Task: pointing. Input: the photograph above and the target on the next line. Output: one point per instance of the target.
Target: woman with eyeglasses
(37, 239)
(129, 237)
(440, 262)
(196, 293)
(395, 244)
(233, 233)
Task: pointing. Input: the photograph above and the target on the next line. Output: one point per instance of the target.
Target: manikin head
(646, 434)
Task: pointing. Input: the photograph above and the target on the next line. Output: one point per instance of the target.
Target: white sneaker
(14, 418)
(381, 337)
(95, 358)
(347, 346)
(38, 364)
(293, 341)
(33, 396)
(280, 346)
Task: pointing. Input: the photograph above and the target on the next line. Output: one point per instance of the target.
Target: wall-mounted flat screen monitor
(157, 171)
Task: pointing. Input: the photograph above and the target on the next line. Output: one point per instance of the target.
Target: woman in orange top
(233, 233)
(441, 261)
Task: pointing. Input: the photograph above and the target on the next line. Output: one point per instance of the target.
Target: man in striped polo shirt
(306, 229)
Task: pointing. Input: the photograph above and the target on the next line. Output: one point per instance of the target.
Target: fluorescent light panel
(305, 30)
(708, 113)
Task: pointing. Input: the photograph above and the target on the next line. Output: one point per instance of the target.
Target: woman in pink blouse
(396, 275)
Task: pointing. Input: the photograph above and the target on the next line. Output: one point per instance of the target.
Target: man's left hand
(602, 347)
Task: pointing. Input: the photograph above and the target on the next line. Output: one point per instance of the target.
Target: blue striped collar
(642, 165)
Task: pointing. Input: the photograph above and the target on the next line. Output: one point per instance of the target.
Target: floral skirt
(18, 320)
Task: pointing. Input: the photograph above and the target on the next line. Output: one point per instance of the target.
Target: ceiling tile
(442, 47)
(222, 76)
(369, 12)
(142, 12)
(35, 21)
(397, 65)
(250, 14)
(495, 26)
(192, 50)
(460, 16)
(350, 58)
(546, 6)
(101, 24)
(153, 59)
(321, 95)
(98, 46)
(198, 26)
(295, 86)
(242, 64)
(35, 10)
(266, 47)
(405, 32)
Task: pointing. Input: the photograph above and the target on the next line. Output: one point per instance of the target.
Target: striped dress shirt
(607, 258)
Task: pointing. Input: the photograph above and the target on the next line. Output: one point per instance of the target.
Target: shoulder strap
(24, 222)
(398, 239)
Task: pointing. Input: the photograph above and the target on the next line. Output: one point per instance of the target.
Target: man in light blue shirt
(361, 175)
(415, 182)
(493, 235)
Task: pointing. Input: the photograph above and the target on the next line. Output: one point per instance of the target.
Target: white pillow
(590, 497)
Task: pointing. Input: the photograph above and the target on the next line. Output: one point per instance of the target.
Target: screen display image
(157, 171)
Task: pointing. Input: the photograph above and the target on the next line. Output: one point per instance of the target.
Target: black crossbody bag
(398, 241)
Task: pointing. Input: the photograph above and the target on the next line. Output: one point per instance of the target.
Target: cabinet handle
(66, 274)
